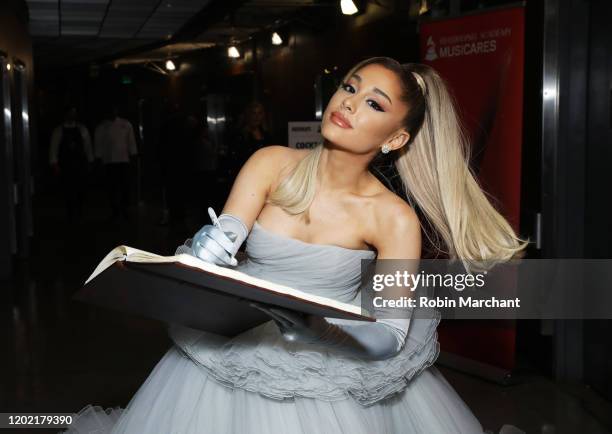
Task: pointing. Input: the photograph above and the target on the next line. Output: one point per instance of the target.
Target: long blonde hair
(435, 173)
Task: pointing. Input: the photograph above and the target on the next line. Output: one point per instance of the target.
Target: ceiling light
(276, 39)
(424, 8)
(233, 52)
(8, 66)
(170, 66)
(348, 7)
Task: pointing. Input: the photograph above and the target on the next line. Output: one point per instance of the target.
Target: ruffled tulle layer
(179, 397)
(261, 361)
(93, 419)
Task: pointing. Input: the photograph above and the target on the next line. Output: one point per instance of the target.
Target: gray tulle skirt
(180, 397)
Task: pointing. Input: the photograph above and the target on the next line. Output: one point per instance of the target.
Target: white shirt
(57, 136)
(115, 141)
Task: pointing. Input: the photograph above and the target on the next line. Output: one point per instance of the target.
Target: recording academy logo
(431, 50)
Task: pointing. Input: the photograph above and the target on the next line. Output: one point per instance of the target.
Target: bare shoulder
(270, 154)
(395, 227)
(254, 182)
(276, 156)
(277, 161)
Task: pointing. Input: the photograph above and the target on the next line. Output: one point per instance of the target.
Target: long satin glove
(217, 246)
(372, 341)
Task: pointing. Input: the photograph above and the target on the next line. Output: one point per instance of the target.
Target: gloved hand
(211, 244)
(296, 326)
(373, 341)
(215, 245)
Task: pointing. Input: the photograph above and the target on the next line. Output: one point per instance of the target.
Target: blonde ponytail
(436, 173)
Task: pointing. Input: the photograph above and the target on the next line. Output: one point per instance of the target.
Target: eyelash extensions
(374, 104)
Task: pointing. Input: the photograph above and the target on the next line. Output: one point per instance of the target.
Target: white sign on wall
(304, 134)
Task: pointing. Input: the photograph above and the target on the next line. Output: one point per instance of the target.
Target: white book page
(130, 254)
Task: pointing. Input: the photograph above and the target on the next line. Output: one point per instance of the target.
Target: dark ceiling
(69, 32)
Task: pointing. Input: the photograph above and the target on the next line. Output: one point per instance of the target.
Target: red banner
(481, 57)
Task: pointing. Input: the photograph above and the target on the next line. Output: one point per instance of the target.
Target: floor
(61, 355)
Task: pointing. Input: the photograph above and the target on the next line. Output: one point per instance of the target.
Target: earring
(385, 149)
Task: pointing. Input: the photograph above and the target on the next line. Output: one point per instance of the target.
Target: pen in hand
(213, 217)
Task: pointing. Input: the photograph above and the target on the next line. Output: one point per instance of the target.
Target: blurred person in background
(207, 159)
(70, 157)
(115, 146)
(179, 138)
(252, 134)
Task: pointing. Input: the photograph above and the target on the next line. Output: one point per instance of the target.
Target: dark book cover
(178, 293)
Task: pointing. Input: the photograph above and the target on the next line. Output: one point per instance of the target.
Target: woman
(310, 216)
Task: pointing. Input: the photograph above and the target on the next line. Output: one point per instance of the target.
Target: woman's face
(369, 101)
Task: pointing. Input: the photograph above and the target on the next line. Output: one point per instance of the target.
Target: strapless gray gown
(257, 383)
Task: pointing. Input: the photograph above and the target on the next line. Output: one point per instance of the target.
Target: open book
(185, 290)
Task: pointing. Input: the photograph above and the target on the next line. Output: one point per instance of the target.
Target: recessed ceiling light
(276, 39)
(233, 52)
(348, 7)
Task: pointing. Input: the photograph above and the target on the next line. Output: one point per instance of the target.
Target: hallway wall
(15, 46)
